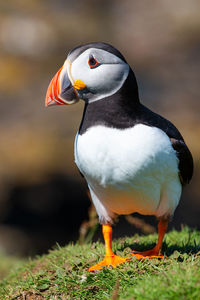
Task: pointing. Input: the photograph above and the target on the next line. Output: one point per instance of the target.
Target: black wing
(183, 153)
(185, 160)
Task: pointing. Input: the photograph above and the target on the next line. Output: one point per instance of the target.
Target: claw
(153, 253)
(109, 260)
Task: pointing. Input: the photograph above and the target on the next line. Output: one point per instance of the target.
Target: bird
(133, 159)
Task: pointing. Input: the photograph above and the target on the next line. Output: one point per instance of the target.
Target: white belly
(129, 170)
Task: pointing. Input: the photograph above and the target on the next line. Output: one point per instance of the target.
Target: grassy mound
(62, 274)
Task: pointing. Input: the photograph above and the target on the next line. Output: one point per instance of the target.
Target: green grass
(62, 274)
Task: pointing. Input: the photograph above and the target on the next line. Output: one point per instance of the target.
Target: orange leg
(110, 258)
(155, 252)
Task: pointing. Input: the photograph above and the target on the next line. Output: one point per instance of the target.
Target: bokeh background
(43, 199)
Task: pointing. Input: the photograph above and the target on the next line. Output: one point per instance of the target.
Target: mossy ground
(62, 274)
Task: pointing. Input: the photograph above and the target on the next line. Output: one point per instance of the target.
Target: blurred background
(43, 198)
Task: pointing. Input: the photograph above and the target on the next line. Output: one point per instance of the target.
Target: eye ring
(92, 62)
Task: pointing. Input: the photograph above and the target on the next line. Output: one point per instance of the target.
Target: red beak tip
(49, 102)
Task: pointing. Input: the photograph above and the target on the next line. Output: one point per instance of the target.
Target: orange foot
(109, 260)
(153, 253)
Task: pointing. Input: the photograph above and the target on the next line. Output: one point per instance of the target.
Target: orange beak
(60, 90)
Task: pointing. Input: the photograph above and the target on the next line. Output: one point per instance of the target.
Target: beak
(60, 90)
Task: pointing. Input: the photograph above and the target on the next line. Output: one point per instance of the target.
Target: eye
(93, 63)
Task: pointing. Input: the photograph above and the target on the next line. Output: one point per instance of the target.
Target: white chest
(112, 155)
(137, 161)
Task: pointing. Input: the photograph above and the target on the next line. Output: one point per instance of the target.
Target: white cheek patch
(104, 80)
(107, 79)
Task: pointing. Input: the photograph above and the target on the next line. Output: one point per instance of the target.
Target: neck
(118, 110)
(129, 90)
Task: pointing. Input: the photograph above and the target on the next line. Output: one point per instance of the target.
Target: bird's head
(91, 72)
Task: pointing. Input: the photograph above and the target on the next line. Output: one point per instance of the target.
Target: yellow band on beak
(79, 85)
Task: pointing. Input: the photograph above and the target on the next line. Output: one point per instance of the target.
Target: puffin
(133, 159)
